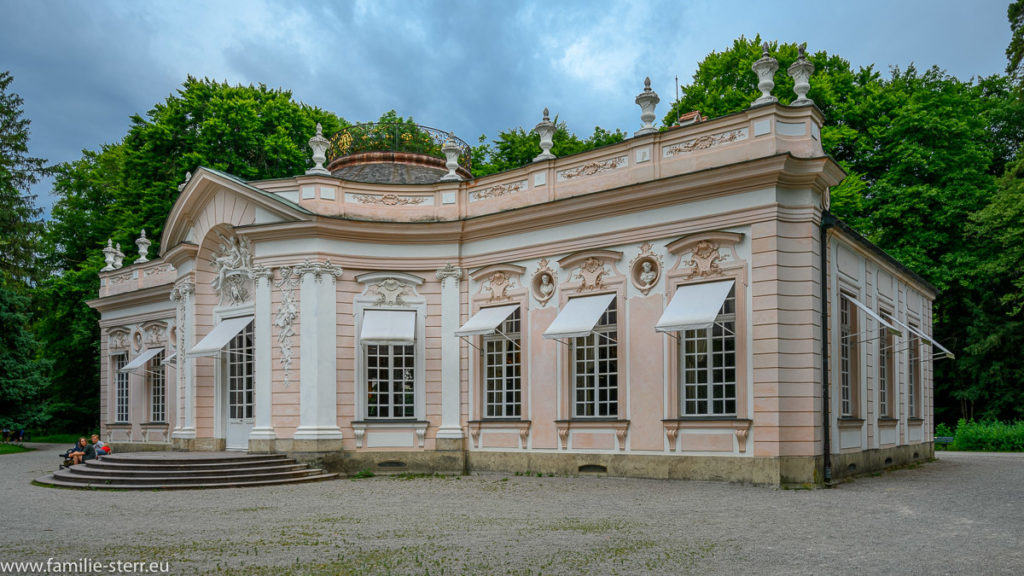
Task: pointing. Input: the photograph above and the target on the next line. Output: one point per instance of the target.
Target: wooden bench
(943, 440)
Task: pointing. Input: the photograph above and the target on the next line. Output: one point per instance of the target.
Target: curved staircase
(184, 470)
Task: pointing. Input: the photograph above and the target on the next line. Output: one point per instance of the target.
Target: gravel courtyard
(963, 514)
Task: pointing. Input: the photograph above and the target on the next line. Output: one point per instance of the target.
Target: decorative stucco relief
(591, 275)
(390, 292)
(158, 270)
(120, 278)
(704, 260)
(705, 142)
(497, 286)
(544, 281)
(389, 199)
(118, 338)
(154, 333)
(645, 269)
(284, 318)
(232, 263)
(593, 168)
(498, 190)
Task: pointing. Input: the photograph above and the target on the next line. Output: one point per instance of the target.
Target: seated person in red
(82, 451)
(99, 446)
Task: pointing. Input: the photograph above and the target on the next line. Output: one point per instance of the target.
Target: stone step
(82, 476)
(49, 480)
(181, 470)
(136, 472)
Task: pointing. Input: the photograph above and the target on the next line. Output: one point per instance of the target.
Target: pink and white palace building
(661, 307)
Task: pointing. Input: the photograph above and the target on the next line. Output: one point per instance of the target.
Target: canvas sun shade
(219, 337)
(388, 327)
(888, 325)
(141, 360)
(945, 351)
(579, 317)
(694, 306)
(486, 321)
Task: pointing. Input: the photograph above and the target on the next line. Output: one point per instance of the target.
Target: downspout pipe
(827, 221)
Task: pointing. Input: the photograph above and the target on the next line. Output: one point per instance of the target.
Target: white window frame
(157, 377)
(848, 357)
(913, 375)
(503, 370)
(240, 375)
(391, 352)
(886, 372)
(121, 404)
(604, 336)
(715, 378)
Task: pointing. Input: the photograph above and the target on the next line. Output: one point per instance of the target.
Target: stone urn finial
(765, 69)
(546, 129)
(118, 256)
(108, 256)
(188, 176)
(319, 145)
(143, 243)
(801, 71)
(647, 100)
(451, 152)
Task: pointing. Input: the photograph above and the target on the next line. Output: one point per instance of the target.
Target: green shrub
(989, 436)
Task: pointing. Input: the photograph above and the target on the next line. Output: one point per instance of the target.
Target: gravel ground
(960, 515)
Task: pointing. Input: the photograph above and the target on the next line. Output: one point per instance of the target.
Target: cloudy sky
(475, 67)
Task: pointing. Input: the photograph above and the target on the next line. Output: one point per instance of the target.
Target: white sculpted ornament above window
(232, 262)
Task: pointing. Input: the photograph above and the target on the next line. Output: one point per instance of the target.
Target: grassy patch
(68, 439)
(13, 448)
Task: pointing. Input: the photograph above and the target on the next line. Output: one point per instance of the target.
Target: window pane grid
(121, 388)
(240, 375)
(884, 365)
(157, 389)
(595, 369)
(390, 381)
(708, 369)
(502, 370)
(914, 374)
(845, 352)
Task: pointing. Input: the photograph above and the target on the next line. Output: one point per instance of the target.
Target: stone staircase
(184, 470)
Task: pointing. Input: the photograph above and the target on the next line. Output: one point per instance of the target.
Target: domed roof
(399, 153)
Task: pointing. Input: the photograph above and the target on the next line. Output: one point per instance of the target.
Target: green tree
(249, 131)
(1015, 51)
(19, 218)
(22, 374)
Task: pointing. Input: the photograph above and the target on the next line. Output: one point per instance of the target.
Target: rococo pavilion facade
(660, 307)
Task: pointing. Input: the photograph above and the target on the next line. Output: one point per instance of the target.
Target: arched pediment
(211, 198)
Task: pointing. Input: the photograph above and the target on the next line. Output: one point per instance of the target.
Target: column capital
(261, 272)
(319, 269)
(450, 271)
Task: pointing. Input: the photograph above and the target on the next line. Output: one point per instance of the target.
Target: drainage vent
(888, 461)
(391, 464)
(851, 468)
(593, 469)
(916, 455)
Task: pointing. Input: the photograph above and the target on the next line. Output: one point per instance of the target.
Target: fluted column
(262, 434)
(183, 294)
(318, 398)
(451, 397)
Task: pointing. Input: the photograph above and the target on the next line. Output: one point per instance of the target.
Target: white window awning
(172, 360)
(882, 321)
(219, 337)
(694, 306)
(945, 351)
(579, 317)
(486, 321)
(388, 327)
(141, 360)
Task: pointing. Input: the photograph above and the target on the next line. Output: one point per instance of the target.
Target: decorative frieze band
(704, 142)
(498, 190)
(389, 199)
(593, 168)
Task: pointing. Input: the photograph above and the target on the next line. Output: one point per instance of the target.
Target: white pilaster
(184, 293)
(451, 425)
(263, 428)
(318, 399)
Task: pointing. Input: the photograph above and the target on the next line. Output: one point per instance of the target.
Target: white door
(240, 390)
